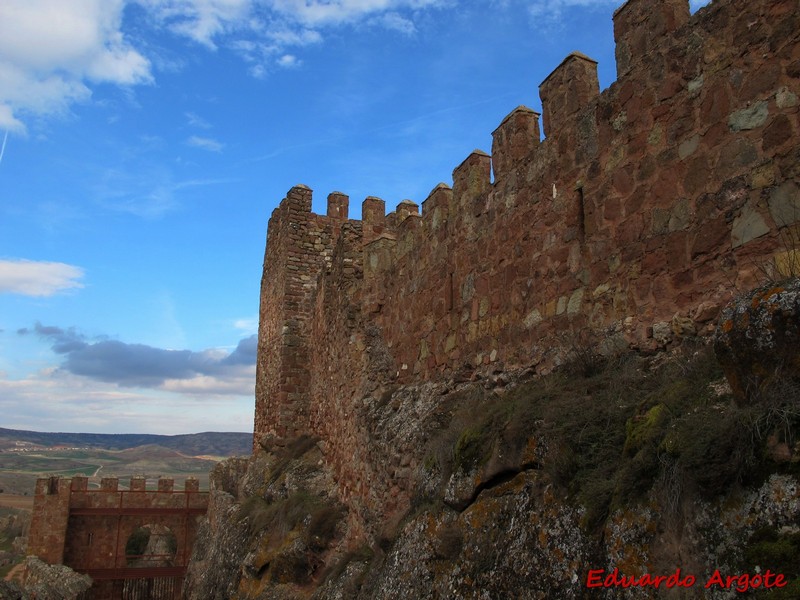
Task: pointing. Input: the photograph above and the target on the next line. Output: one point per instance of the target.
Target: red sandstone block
(713, 235)
(677, 245)
(654, 262)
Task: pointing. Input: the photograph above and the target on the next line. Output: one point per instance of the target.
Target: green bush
(470, 449)
(610, 433)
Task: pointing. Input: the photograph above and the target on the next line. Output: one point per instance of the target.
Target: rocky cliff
(622, 466)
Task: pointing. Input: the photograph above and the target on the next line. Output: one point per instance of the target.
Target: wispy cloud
(246, 325)
(289, 61)
(320, 13)
(3, 147)
(552, 10)
(268, 33)
(205, 143)
(37, 278)
(201, 20)
(146, 190)
(195, 120)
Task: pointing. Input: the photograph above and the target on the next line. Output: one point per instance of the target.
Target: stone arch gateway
(89, 530)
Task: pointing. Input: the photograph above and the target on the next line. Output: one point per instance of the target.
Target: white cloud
(264, 32)
(9, 122)
(49, 49)
(398, 22)
(34, 278)
(54, 400)
(205, 143)
(289, 61)
(249, 326)
(206, 385)
(287, 37)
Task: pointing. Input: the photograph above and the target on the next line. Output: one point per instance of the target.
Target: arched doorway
(148, 546)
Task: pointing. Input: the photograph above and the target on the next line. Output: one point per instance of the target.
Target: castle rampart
(89, 529)
(644, 208)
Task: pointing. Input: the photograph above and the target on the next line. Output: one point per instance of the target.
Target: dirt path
(12, 501)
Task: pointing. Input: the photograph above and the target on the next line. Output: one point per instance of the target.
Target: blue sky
(144, 144)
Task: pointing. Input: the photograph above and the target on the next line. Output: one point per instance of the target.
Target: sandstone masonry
(641, 211)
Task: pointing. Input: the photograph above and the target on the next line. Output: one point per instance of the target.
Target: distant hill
(211, 443)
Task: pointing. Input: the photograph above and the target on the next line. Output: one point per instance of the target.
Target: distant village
(28, 447)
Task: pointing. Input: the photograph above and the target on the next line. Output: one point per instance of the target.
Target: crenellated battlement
(568, 89)
(639, 28)
(82, 527)
(637, 216)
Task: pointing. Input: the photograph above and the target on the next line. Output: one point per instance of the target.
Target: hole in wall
(151, 546)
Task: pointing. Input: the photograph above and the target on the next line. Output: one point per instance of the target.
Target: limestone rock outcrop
(758, 341)
(53, 582)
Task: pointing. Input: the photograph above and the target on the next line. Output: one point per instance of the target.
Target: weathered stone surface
(784, 204)
(262, 535)
(758, 339)
(217, 558)
(751, 117)
(53, 582)
(11, 591)
(748, 226)
(651, 175)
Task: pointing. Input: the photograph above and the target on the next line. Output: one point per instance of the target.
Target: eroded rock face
(270, 526)
(53, 582)
(491, 516)
(516, 540)
(758, 340)
(11, 591)
(519, 540)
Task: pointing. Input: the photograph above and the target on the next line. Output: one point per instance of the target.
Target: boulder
(53, 582)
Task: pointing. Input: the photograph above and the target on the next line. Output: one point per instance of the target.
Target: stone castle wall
(643, 209)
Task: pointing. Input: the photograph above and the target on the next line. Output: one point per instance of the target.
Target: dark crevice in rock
(499, 479)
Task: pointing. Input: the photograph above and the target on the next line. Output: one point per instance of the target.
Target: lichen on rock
(758, 340)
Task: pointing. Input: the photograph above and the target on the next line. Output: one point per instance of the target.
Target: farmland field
(26, 456)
